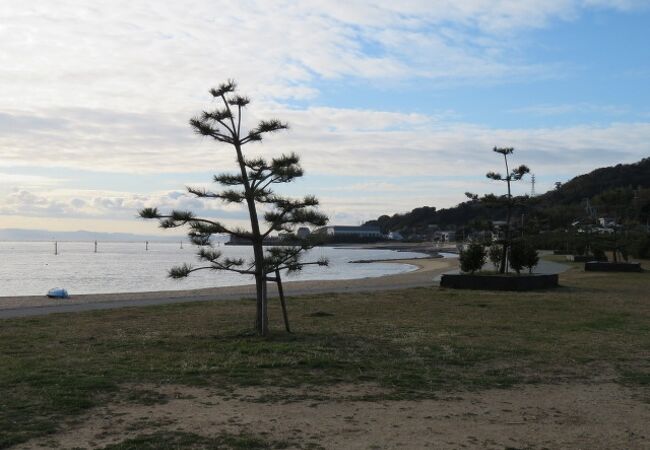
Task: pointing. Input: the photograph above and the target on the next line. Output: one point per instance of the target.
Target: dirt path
(427, 270)
(580, 416)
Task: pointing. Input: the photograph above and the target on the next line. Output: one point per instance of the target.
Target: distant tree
(384, 224)
(472, 258)
(251, 186)
(507, 201)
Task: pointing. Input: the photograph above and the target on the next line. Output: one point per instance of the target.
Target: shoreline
(427, 269)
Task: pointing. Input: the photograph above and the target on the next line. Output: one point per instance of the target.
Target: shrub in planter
(473, 258)
(522, 254)
(599, 254)
(640, 246)
(495, 253)
(531, 257)
(516, 256)
(499, 282)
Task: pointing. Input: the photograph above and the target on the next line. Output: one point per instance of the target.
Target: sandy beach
(427, 270)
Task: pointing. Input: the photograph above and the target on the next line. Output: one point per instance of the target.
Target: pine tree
(508, 201)
(251, 186)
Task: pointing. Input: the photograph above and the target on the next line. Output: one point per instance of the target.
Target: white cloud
(25, 180)
(568, 108)
(330, 141)
(109, 86)
(151, 56)
(65, 203)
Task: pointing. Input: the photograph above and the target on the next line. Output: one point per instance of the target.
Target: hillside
(622, 191)
(590, 185)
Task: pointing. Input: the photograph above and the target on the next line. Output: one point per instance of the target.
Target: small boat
(58, 293)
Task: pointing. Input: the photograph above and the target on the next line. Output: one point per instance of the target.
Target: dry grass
(414, 343)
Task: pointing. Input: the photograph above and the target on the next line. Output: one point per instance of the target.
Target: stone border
(500, 283)
(582, 258)
(595, 266)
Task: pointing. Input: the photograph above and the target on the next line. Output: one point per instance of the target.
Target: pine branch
(205, 227)
(239, 100)
(495, 176)
(203, 128)
(228, 196)
(202, 192)
(185, 270)
(224, 88)
(149, 213)
(233, 130)
(288, 258)
(503, 150)
(228, 179)
(218, 115)
(518, 173)
(264, 126)
(320, 262)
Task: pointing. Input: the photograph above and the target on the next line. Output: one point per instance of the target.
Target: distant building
(607, 222)
(395, 236)
(444, 236)
(364, 231)
(303, 232)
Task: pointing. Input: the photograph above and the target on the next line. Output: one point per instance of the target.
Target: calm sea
(31, 268)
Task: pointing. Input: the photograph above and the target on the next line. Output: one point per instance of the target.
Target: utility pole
(532, 182)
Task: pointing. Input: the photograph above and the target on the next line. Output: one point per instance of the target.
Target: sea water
(32, 268)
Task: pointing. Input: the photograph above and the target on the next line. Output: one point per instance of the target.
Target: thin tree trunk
(282, 303)
(506, 243)
(506, 236)
(261, 315)
(261, 319)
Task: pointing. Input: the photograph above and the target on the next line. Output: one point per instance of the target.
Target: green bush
(531, 257)
(599, 254)
(516, 256)
(473, 258)
(639, 245)
(495, 254)
(522, 254)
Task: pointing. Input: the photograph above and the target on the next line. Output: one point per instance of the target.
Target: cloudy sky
(392, 105)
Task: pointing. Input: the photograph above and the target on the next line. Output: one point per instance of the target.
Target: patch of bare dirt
(580, 416)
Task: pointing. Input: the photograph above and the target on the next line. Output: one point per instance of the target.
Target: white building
(303, 232)
(364, 231)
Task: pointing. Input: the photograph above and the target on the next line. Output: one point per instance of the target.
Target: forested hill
(622, 186)
(592, 184)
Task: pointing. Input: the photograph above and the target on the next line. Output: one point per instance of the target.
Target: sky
(392, 105)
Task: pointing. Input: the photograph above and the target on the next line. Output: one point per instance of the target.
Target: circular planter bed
(499, 282)
(596, 266)
(581, 258)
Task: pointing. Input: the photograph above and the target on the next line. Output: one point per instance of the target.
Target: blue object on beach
(57, 293)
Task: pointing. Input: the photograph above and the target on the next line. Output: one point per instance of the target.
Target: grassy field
(415, 343)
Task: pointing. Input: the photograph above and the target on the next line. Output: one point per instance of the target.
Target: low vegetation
(414, 344)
